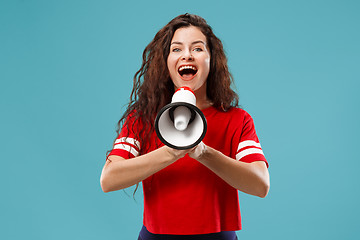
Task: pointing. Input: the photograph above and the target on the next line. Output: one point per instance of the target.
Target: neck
(202, 100)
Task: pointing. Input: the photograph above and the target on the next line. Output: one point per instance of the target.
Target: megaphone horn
(180, 124)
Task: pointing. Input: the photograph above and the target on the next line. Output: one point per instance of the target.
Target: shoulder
(238, 111)
(133, 117)
(233, 113)
(233, 118)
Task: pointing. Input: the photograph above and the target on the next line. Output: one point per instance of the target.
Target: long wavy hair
(153, 87)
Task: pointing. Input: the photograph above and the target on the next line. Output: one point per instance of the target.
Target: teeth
(187, 67)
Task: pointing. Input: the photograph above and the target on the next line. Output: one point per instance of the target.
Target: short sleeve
(126, 145)
(248, 145)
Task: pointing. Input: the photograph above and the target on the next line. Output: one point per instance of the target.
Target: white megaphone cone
(180, 124)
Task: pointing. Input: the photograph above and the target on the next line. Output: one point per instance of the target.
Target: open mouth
(187, 72)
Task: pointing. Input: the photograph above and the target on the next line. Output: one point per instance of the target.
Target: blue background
(66, 75)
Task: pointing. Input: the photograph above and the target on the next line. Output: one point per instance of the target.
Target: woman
(188, 194)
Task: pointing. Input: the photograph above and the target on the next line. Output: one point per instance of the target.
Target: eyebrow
(193, 43)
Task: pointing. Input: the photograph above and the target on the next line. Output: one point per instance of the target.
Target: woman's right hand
(119, 173)
(177, 154)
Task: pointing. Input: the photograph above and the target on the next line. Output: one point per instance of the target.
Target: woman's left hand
(251, 178)
(198, 151)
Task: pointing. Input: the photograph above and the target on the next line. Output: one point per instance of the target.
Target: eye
(198, 49)
(176, 50)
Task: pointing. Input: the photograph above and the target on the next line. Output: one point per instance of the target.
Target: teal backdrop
(66, 70)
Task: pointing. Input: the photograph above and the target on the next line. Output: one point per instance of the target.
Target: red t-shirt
(186, 197)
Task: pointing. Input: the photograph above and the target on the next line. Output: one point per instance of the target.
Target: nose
(187, 55)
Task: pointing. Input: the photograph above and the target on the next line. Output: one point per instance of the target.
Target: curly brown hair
(153, 87)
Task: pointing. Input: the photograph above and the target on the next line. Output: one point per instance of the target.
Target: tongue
(187, 76)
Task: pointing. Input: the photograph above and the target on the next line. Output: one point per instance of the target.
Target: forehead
(188, 35)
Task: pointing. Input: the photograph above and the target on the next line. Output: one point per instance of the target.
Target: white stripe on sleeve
(248, 151)
(127, 148)
(132, 141)
(248, 143)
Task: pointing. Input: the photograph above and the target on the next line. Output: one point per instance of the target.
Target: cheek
(170, 64)
(171, 68)
(207, 64)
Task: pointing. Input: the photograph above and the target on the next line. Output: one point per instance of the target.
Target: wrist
(172, 154)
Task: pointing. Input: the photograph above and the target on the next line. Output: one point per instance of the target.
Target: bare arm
(119, 173)
(251, 178)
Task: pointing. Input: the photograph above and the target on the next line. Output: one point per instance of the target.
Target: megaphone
(180, 124)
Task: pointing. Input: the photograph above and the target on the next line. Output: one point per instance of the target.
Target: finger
(198, 151)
